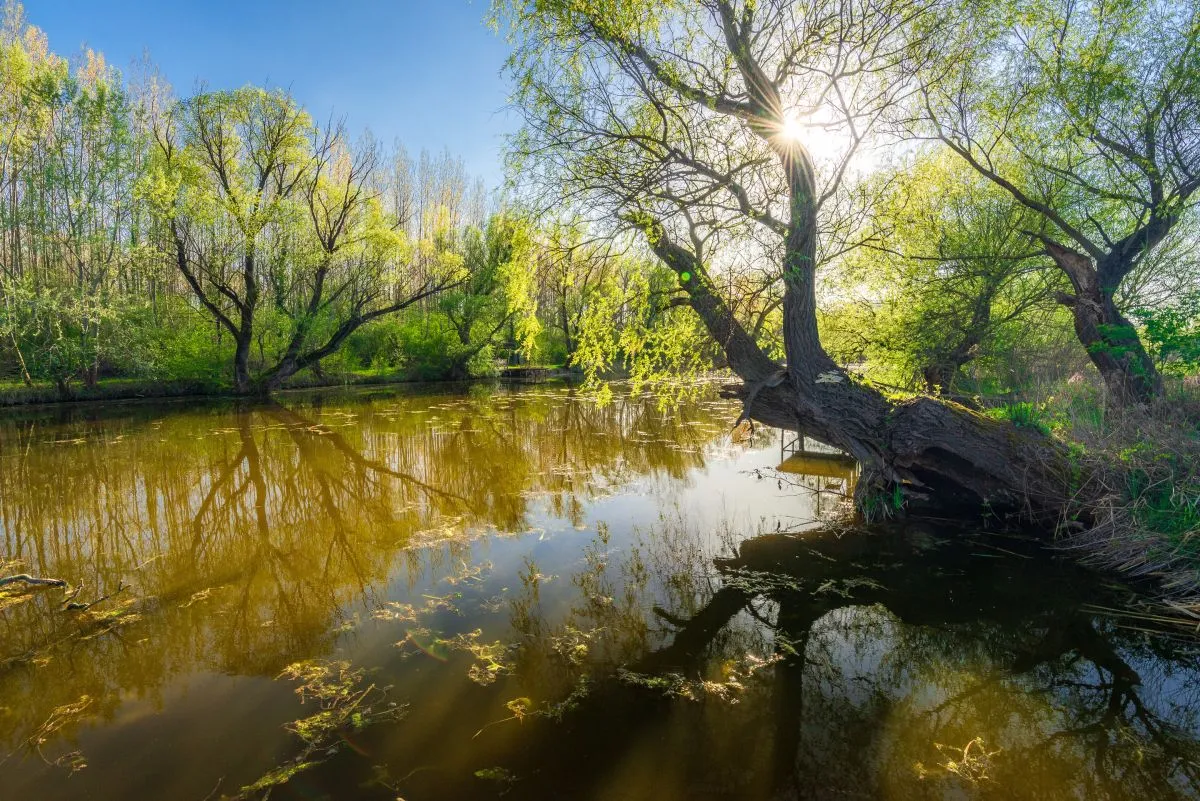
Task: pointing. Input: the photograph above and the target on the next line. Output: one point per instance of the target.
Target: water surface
(402, 594)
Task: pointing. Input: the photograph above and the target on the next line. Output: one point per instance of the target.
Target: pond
(513, 592)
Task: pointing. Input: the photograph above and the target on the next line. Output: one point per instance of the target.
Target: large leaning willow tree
(685, 121)
(1088, 113)
(278, 227)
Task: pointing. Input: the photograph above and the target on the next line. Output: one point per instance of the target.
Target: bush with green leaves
(1172, 332)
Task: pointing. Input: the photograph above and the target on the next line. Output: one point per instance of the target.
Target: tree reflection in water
(822, 665)
(252, 535)
(699, 658)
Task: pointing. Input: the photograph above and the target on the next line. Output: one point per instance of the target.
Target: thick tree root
(928, 455)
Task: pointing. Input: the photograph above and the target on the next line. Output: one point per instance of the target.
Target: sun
(822, 139)
(811, 136)
(792, 129)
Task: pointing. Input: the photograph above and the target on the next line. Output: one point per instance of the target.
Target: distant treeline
(226, 239)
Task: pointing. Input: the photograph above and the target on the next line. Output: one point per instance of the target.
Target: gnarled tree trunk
(1111, 341)
(920, 452)
(242, 382)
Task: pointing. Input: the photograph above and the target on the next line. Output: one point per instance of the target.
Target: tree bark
(244, 337)
(242, 383)
(916, 454)
(1111, 341)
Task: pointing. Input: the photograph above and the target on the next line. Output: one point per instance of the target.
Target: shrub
(1172, 334)
(1024, 414)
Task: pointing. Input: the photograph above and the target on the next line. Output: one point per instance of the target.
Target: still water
(515, 593)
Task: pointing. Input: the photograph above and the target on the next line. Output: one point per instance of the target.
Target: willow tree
(498, 297)
(273, 220)
(571, 269)
(947, 280)
(1088, 114)
(690, 123)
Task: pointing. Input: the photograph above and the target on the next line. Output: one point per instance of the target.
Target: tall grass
(1144, 464)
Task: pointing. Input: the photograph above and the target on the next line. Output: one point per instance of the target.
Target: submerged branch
(32, 581)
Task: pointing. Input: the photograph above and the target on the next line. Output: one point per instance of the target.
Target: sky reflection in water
(562, 600)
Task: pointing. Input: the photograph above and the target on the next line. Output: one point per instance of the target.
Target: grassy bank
(1144, 463)
(15, 393)
(41, 392)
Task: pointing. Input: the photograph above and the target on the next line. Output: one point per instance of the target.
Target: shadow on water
(564, 600)
(895, 664)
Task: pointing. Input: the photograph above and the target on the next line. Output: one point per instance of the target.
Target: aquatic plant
(346, 704)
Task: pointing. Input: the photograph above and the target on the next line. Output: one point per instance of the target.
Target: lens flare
(792, 129)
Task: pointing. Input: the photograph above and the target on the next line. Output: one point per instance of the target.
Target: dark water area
(516, 593)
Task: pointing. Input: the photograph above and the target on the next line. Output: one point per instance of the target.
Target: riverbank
(1143, 462)
(16, 394)
(1147, 460)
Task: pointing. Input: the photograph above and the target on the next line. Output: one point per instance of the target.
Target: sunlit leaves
(626, 329)
(947, 280)
(440, 248)
(244, 152)
(69, 156)
(1094, 106)
(1173, 333)
(31, 80)
(514, 251)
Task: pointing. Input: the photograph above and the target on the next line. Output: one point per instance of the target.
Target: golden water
(561, 601)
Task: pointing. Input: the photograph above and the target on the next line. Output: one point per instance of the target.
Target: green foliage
(625, 330)
(184, 345)
(62, 335)
(498, 299)
(1024, 414)
(950, 284)
(1148, 461)
(103, 182)
(1162, 486)
(483, 364)
(292, 240)
(1173, 334)
(1169, 509)
(551, 347)
(1076, 110)
(375, 346)
(426, 346)
(882, 505)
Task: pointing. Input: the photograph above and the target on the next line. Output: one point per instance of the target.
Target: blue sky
(426, 71)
